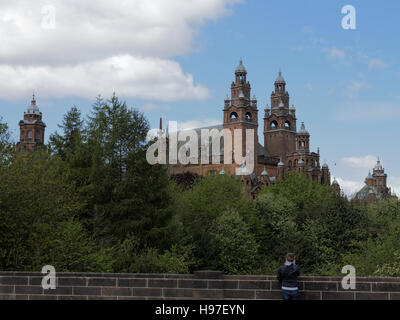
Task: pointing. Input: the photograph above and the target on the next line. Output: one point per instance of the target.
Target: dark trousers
(290, 294)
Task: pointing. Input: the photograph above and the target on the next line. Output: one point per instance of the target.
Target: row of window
(29, 135)
(274, 124)
(234, 116)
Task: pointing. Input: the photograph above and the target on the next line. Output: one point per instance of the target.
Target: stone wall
(201, 285)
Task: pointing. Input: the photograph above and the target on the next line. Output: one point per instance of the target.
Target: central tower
(280, 123)
(240, 112)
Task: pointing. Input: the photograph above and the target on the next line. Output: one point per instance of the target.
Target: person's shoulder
(281, 267)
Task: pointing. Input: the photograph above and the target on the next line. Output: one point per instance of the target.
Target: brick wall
(200, 285)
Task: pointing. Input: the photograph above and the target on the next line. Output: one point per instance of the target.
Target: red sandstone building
(32, 129)
(375, 186)
(286, 148)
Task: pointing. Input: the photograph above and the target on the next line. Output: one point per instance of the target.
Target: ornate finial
(280, 78)
(33, 102)
(33, 107)
(240, 67)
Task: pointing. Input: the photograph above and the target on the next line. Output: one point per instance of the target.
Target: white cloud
(201, 123)
(349, 187)
(308, 29)
(145, 78)
(192, 124)
(353, 89)
(376, 64)
(362, 55)
(335, 53)
(365, 162)
(153, 107)
(394, 183)
(297, 49)
(92, 42)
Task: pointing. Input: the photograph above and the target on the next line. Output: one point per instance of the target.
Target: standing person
(287, 276)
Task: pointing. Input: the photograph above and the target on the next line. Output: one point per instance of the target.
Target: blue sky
(343, 83)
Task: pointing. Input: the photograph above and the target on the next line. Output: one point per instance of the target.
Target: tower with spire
(283, 141)
(240, 111)
(32, 129)
(280, 122)
(375, 186)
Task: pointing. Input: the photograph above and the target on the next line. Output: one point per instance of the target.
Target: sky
(175, 59)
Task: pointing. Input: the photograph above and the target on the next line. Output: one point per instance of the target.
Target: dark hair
(290, 257)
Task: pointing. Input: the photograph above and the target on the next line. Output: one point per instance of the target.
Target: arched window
(248, 116)
(233, 116)
(29, 134)
(287, 124)
(274, 124)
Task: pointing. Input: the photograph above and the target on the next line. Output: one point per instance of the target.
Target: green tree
(232, 244)
(129, 258)
(376, 251)
(72, 136)
(200, 206)
(130, 195)
(6, 146)
(38, 226)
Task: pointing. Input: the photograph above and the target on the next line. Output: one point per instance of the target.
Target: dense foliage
(91, 202)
